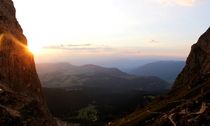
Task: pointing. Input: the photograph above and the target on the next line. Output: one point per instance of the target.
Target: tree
(88, 113)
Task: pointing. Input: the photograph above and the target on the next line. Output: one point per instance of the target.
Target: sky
(91, 31)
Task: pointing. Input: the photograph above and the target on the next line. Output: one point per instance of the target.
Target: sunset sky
(72, 30)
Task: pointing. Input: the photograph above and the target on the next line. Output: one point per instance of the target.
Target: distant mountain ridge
(87, 69)
(166, 70)
(65, 75)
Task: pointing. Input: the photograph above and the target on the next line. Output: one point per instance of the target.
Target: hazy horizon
(125, 65)
(100, 31)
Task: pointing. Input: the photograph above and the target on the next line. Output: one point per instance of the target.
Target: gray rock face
(21, 98)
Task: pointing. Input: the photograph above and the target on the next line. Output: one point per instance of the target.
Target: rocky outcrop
(21, 98)
(191, 90)
(188, 103)
(197, 69)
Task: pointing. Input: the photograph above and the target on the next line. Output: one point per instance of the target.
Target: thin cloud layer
(82, 47)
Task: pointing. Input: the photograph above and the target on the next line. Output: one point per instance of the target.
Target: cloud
(81, 47)
(179, 2)
(153, 41)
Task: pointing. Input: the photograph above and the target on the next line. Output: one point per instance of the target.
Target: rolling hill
(64, 75)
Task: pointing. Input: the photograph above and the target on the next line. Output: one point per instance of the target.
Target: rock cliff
(21, 98)
(188, 102)
(197, 69)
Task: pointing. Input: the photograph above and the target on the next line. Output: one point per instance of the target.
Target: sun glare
(35, 48)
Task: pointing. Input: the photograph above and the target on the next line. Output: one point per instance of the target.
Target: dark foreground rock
(21, 98)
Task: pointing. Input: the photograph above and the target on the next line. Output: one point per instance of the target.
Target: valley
(108, 93)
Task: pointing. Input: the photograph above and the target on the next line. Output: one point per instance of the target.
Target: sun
(35, 48)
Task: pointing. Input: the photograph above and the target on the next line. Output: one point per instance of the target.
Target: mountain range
(22, 102)
(64, 75)
(112, 92)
